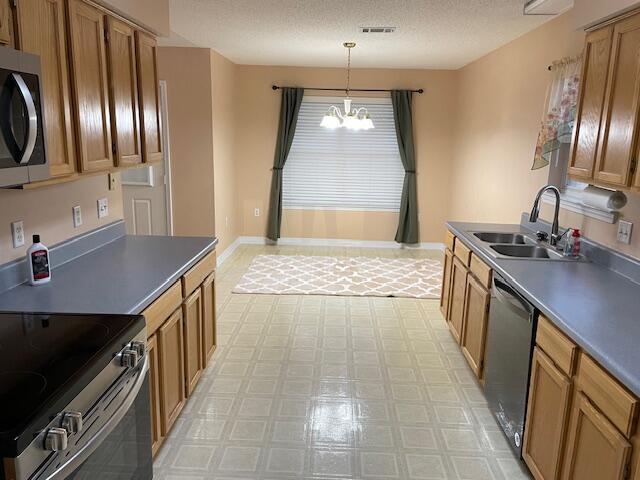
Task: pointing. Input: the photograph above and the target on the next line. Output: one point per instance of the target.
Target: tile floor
(322, 387)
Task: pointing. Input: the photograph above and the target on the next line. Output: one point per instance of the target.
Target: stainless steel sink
(499, 237)
(529, 252)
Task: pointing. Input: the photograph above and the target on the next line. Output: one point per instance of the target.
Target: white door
(146, 190)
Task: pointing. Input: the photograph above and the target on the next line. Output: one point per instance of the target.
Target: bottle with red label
(575, 243)
(38, 260)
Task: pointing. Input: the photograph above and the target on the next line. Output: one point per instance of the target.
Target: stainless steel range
(74, 397)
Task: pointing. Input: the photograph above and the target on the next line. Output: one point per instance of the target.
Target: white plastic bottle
(38, 260)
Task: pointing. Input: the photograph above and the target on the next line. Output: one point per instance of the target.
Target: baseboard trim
(325, 242)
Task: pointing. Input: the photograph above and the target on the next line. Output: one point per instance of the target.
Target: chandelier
(352, 119)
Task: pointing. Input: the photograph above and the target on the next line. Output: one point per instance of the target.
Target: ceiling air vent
(546, 7)
(377, 29)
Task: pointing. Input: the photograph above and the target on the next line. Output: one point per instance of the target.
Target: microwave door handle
(64, 470)
(32, 124)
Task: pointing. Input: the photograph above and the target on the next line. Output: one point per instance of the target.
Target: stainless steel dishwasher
(510, 335)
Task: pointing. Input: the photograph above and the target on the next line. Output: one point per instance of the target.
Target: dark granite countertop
(596, 307)
(120, 277)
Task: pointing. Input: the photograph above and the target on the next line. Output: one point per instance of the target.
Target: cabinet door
(595, 66)
(476, 318)
(42, 31)
(619, 128)
(149, 98)
(123, 82)
(547, 414)
(90, 84)
(595, 449)
(446, 283)
(208, 289)
(192, 312)
(6, 28)
(456, 304)
(171, 356)
(154, 392)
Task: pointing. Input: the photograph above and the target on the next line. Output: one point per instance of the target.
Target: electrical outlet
(17, 232)
(256, 212)
(103, 208)
(624, 231)
(77, 216)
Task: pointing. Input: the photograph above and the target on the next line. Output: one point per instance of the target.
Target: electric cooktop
(46, 360)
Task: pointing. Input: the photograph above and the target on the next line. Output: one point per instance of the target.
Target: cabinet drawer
(194, 277)
(156, 313)
(481, 270)
(449, 240)
(461, 251)
(557, 346)
(617, 404)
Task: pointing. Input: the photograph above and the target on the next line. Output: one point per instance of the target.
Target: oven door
(115, 443)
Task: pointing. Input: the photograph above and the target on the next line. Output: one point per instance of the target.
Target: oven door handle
(95, 441)
(32, 123)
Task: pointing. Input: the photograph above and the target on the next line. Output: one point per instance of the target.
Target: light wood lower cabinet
(181, 339)
(446, 283)
(192, 313)
(547, 414)
(171, 355)
(476, 319)
(208, 291)
(456, 303)
(595, 448)
(154, 394)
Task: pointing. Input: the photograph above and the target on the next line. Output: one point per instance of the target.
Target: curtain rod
(276, 87)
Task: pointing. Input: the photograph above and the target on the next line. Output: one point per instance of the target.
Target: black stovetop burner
(46, 360)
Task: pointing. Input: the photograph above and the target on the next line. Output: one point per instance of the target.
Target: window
(343, 169)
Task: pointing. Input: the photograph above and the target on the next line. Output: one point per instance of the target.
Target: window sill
(573, 203)
(345, 209)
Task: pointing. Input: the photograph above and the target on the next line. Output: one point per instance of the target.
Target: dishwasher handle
(511, 298)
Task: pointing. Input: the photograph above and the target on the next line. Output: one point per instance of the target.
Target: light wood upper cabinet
(595, 449)
(90, 84)
(6, 23)
(123, 83)
(208, 291)
(192, 313)
(150, 121)
(456, 303)
(446, 283)
(619, 128)
(171, 357)
(41, 26)
(595, 66)
(476, 319)
(154, 394)
(547, 414)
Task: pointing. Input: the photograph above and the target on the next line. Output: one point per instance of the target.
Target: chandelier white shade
(350, 118)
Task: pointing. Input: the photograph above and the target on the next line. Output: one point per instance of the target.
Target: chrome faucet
(535, 211)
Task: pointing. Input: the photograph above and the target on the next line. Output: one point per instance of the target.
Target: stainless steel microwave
(23, 157)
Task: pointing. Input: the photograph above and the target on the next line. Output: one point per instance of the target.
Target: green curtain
(402, 115)
(289, 109)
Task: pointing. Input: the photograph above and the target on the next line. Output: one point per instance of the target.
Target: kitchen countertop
(123, 276)
(596, 307)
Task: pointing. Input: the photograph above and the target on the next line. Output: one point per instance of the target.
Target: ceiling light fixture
(353, 119)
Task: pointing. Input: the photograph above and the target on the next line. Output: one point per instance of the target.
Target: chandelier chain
(348, 69)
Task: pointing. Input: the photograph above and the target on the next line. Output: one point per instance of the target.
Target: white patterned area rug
(350, 276)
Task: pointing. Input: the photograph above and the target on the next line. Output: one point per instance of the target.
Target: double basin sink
(518, 245)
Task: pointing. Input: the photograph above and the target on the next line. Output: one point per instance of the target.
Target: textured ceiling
(444, 34)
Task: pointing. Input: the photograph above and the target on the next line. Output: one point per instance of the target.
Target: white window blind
(343, 169)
